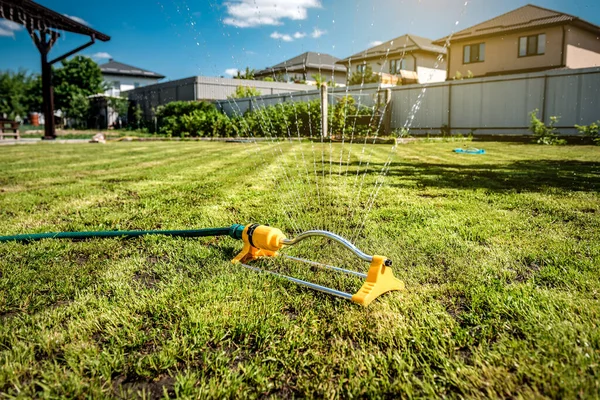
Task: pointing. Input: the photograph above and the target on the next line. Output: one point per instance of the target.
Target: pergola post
(44, 42)
(42, 23)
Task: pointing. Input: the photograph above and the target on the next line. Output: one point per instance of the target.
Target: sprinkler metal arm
(262, 241)
(329, 235)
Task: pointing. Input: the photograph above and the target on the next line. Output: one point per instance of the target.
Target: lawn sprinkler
(263, 241)
(469, 150)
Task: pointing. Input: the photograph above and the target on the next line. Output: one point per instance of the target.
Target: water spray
(263, 241)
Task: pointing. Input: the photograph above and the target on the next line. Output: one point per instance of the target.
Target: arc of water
(407, 124)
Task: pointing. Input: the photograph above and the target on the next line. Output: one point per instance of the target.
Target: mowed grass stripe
(499, 253)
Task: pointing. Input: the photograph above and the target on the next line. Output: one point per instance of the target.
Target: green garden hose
(262, 241)
(234, 231)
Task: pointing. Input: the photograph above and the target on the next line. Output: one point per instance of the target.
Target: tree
(78, 78)
(365, 77)
(245, 91)
(77, 108)
(138, 114)
(319, 80)
(120, 105)
(20, 93)
(33, 94)
(248, 74)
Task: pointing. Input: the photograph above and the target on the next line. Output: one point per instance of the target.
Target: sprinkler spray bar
(262, 241)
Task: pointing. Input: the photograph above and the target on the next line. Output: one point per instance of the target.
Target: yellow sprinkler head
(265, 241)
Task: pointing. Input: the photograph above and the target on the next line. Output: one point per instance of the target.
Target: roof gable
(529, 16)
(308, 59)
(402, 44)
(116, 68)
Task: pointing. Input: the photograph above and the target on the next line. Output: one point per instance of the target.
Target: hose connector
(259, 241)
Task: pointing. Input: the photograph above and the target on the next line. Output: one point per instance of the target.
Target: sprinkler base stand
(251, 253)
(380, 279)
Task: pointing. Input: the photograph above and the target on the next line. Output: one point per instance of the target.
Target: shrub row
(202, 119)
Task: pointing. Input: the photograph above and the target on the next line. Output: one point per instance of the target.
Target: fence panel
(589, 99)
(489, 105)
(563, 99)
(507, 104)
(432, 112)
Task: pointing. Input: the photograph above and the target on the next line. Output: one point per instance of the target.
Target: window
(397, 65)
(361, 68)
(532, 45)
(474, 53)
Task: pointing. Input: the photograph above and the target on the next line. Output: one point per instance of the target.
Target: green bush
(242, 92)
(284, 120)
(544, 134)
(592, 130)
(181, 118)
(289, 119)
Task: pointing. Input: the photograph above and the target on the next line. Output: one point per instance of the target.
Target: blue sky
(181, 38)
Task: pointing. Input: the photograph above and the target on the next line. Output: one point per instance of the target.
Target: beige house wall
(502, 53)
(583, 48)
(383, 64)
(429, 60)
(421, 62)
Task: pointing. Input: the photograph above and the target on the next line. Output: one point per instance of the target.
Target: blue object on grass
(470, 151)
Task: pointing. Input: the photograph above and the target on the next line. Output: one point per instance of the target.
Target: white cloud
(8, 28)
(231, 71)
(299, 35)
(77, 19)
(251, 13)
(317, 33)
(101, 55)
(282, 36)
(375, 43)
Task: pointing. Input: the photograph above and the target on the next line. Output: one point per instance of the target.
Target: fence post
(545, 98)
(449, 107)
(324, 110)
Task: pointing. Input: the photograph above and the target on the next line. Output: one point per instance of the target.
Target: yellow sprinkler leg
(380, 279)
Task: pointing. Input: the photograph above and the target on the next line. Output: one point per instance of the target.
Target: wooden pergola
(43, 26)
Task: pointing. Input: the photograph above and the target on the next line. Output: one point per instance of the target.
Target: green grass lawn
(500, 254)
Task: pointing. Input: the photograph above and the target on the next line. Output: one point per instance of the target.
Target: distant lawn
(36, 132)
(500, 254)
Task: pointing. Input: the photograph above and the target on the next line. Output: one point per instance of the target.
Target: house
(302, 68)
(405, 59)
(527, 39)
(121, 77)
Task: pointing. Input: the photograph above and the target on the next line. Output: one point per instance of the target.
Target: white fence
(487, 105)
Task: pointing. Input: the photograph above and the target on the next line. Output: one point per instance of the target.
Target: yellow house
(405, 59)
(527, 39)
